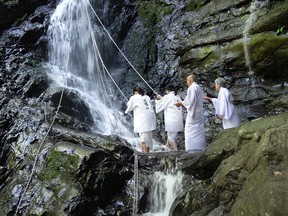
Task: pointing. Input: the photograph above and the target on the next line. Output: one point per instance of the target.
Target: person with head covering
(173, 115)
(144, 117)
(223, 104)
(194, 125)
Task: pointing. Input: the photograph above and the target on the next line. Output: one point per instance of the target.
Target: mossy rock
(60, 165)
(265, 189)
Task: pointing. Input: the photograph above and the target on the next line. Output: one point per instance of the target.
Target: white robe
(224, 106)
(143, 112)
(173, 115)
(194, 125)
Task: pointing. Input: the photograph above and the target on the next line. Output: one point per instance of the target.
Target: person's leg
(144, 148)
(145, 140)
(167, 143)
(172, 140)
(174, 145)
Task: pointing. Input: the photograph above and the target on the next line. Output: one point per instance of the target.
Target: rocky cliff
(55, 165)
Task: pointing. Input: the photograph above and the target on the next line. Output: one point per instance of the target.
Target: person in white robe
(173, 115)
(194, 125)
(144, 117)
(224, 107)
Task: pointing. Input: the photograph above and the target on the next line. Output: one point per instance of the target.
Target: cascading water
(75, 62)
(164, 190)
(246, 35)
(253, 9)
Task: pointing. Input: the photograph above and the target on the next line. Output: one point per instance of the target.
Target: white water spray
(75, 63)
(253, 9)
(246, 35)
(165, 189)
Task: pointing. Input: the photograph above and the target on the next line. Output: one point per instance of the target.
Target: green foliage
(60, 164)
(151, 12)
(193, 5)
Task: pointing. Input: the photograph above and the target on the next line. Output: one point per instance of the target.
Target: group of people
(172, 105)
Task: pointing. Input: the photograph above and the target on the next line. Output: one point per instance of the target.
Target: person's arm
(158, 97)
(191, 98)
(220, 103)
(161, 104)
(208, 98)
(178, 104)
(129, 106)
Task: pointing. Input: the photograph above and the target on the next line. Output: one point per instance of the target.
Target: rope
(107, 71)
(103, 83)
(41, 144)
(136, 184)
(120, 49)
(135, 203)
(37, 154)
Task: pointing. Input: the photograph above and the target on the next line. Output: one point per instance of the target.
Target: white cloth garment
(194, 125)
(146, 137)
(143, 113)
(173, 115)
(224, 106)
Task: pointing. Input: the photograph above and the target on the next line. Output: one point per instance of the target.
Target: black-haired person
(144, 117)
(173, 115)
(223, 104)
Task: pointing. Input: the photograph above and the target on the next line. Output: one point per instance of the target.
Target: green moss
(151, 12)
(193, 5)
(263, 45)
(60, 164)
(260, 46)
(265, 123)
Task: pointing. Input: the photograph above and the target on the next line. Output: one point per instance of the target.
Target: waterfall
(76, 47)
(246, 35)
(253, 9)
(164, 190)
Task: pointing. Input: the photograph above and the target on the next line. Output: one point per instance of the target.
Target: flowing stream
(164, 190)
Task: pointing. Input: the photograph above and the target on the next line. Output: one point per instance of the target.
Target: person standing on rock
(194, 125)
(223, 104)
(173, 115)
(144, 117)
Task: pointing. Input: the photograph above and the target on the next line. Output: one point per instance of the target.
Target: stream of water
(164, 190)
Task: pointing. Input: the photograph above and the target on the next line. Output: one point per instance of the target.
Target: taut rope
(132, 66)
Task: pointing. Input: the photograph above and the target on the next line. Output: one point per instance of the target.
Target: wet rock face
(63, 177)
(247, 167)
(15, 11)
(241, 41)
(79, 173)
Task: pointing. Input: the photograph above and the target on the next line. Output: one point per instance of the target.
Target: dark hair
(170, 88)
(139, 90)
